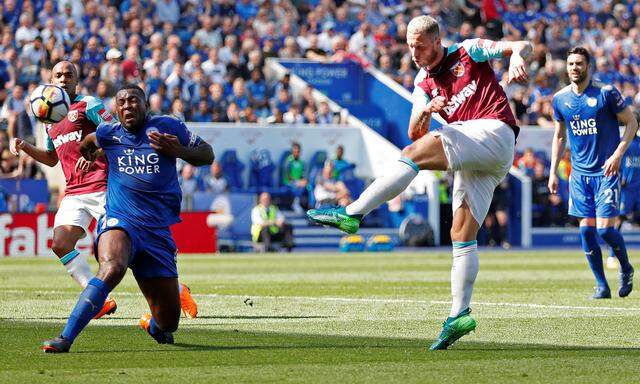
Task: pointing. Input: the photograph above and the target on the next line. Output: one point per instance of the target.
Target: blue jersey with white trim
(630, 166)
(142, 185)
(591, 123)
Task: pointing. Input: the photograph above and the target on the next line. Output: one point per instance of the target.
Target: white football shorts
(79, 210)
(480, 152)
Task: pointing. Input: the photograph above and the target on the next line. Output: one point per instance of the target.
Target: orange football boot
(108, 308)
(160, 337)
(188, 305)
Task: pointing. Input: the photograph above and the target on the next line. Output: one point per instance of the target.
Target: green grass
(357, 318)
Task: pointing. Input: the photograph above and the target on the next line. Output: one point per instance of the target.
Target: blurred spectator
(328, 190)
(497, 220)
(548, 209)
(268, 225)
(189, 186)
(527, 161)
(339, 163)
(215, 183)
(294, 176)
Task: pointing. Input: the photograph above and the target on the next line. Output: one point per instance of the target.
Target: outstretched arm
(45, 156)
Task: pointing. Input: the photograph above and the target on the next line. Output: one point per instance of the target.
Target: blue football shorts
(153, 251)
(629, 200)
(594, 196)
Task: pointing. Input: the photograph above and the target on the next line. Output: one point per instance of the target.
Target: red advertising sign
(29, 234)
(193, 235)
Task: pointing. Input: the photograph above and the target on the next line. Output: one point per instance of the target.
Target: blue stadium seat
(232, 169)
(260, 170)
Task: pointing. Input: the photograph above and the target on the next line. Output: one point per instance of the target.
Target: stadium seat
(260, 170)
(232, 169)
(315, 165)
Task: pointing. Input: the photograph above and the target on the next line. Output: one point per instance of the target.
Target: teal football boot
(335, 217)
(453, 329)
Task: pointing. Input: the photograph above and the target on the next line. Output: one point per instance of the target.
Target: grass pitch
(356, 318)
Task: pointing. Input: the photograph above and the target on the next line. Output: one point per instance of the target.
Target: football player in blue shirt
(143, 200)
(588, 115)
(629, 187)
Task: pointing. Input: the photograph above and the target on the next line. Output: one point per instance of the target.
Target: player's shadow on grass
(264, 317)
(24, 335)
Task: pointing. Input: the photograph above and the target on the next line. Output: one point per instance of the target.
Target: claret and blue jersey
(592, 125)
(143, 184)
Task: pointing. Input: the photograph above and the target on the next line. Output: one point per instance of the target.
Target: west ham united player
(143, 200)
(477, 144)
(588, 114)
(86, 181)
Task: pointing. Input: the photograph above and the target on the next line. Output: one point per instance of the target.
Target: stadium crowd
(204, 60)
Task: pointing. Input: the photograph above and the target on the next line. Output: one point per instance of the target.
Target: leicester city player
(588, 114)
(629, 187)
(143, 200)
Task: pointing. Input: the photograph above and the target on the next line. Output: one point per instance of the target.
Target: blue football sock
(594, 254)
(89, 304)
(613, 237)
(153, 327)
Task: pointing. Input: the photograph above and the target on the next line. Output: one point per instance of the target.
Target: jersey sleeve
(96, 111)
(49, 144)
(103, 135)
(482, 50)
(186, 137)
(557, 114)
(614, 99)
(419, 98)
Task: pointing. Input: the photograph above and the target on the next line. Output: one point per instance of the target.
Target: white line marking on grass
(365, 300)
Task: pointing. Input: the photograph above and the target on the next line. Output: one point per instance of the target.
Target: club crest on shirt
(72, 115)
(592, 102)
(152, 129)
(457, 69)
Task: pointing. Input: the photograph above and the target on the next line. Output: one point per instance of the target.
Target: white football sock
(78, 267)
(384, 188)
(464, 269)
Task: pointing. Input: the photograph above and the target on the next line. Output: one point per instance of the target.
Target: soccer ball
(49, 103)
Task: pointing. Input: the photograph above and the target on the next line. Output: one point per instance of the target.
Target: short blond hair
(423, 25)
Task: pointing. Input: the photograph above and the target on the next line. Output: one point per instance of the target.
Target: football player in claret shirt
(143, 201)
(477, 143)
(86, 181)
(587, 114)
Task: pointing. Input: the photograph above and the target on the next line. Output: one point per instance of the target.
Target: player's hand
(436, 104)
(553, 183)
(518, 70)
(166, 144)
(89, 151)
(16, 145)
(83, 165)
(612, 165)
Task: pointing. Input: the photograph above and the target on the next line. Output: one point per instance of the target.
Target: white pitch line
(365, 300)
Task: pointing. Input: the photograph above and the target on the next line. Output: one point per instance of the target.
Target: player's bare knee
(409, 152)
(112, 270)
(62, 247)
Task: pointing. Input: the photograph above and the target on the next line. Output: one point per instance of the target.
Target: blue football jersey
(630, 166)
(142, 184)
(592, 125)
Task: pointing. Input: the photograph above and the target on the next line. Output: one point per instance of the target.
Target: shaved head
(65, 74)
